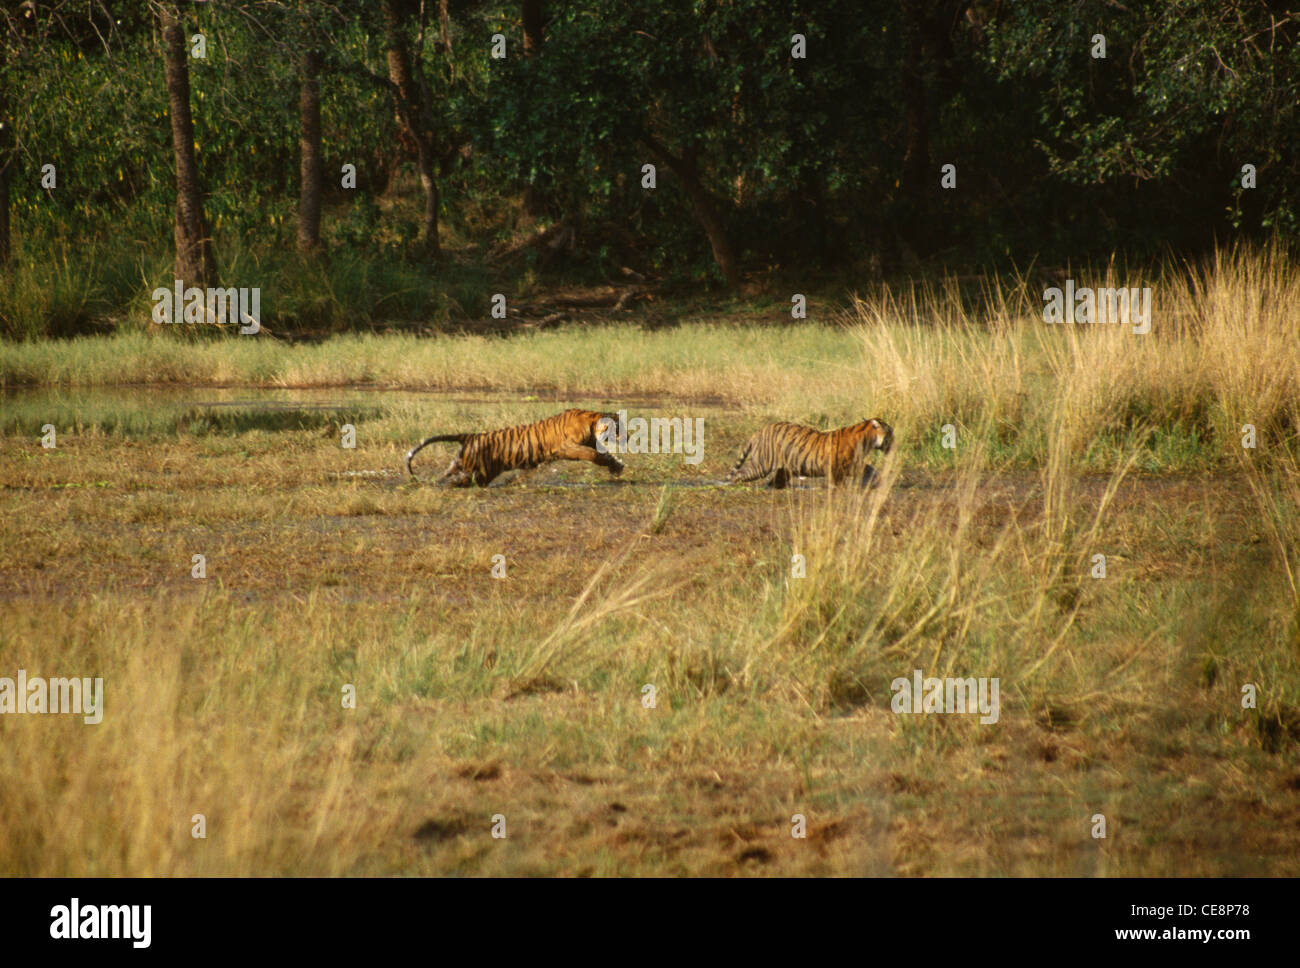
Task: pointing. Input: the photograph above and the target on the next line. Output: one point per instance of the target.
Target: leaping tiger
(571, 435)
(793, 449)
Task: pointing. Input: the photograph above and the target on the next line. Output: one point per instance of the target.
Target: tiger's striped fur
(571, 435)
(795, 450)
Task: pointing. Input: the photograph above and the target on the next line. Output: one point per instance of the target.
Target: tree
(11, 29)
(312, 175)
(534, 203)
(706, 206)
(6, 156)
(713, 95)
(532, 27)
(196, 261)
(413, 112)
(1155, 133)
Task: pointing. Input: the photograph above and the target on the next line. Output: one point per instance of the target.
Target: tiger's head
(610, 434)
(879, 436)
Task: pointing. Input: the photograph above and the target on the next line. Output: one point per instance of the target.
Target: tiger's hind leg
(456, 476)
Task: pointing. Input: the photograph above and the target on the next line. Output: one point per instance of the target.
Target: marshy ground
(482, 696)
(1161, 696)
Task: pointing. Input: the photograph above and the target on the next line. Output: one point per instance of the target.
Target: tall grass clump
(959, 588)
(1221, 355)
(56, 294)
(1222, 352)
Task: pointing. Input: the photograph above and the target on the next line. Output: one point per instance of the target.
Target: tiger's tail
(440, 438)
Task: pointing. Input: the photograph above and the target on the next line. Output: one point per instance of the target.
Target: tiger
(571, 435)
(793, 449)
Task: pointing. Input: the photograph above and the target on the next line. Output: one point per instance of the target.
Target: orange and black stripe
(793, 450)
(571, 435)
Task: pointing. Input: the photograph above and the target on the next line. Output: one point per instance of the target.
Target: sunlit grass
(666, 674)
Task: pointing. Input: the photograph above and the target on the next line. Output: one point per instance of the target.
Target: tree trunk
(710, 219)
(6, 142)
(445, 20)
(534, 196)
(6, 164)
(312, 172)
(534, 200)
(930, 74)
(707, 210)
(532, 27)
(916, 157)
(196, 262)
(411, 114)
(429, 182)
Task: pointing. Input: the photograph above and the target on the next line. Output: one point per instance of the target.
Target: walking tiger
(788, 449)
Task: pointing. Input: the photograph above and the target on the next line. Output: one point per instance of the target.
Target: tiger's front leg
(610, 463)
(861, 473)
(748, 471)
(591, 454)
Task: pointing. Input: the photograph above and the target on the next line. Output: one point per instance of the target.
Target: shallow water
(127, 408)
(393, 417)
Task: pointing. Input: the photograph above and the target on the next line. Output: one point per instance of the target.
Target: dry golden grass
(524, 697)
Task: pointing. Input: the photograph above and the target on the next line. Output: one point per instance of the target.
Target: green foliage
(825, 161)
(1186, 95)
